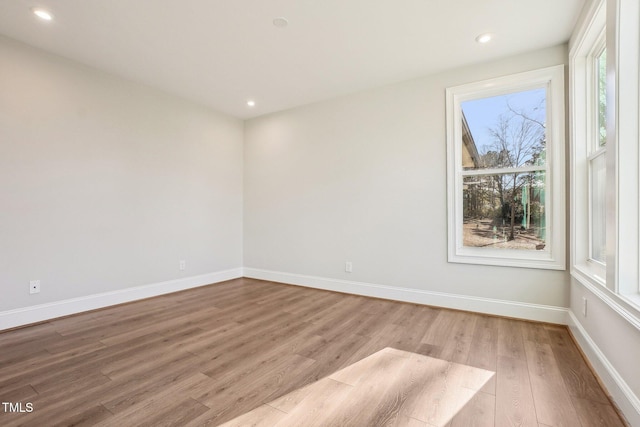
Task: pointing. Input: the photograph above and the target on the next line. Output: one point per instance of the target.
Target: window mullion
(504, 171)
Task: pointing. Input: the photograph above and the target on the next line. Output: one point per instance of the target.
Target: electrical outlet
(584, 306)
(348, 266)
(34, 286)
(183, 264)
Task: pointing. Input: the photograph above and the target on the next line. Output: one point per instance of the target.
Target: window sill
(633, 300)
(594, 273)
(507, 258)
(627, 306)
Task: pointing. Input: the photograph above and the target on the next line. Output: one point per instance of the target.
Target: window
(589, 147)
(505, 170)
(597, 164)
(605, 107)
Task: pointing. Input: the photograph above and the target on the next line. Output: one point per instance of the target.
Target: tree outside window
(506, 210)
(506, 170)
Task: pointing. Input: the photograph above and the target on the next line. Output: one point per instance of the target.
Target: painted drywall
(362, 178)
(106, 184)
(612, 344)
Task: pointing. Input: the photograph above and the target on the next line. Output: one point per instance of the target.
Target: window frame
(582, 89)
(618, 285)
(623, 155)
(553, 257)
(593, 149)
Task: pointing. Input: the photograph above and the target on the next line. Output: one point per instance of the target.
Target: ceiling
(222, 53)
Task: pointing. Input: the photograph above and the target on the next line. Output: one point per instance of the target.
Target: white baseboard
(542, 313)
(621, 393)
(38, 313)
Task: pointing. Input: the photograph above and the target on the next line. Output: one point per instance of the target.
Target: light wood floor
(390, 387)
(209, 355)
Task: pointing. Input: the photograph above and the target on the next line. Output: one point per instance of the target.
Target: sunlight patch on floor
(390, 387)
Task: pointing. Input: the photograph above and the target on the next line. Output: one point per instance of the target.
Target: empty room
(320, 213)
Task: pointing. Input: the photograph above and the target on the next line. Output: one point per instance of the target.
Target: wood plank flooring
(246, 349)
(390, 387)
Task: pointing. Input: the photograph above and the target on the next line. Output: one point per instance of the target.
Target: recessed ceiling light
(251, 103)
(42, 14)
(280, 22)
(484, 38)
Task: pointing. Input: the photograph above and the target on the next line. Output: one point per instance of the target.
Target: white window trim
(619, 287)
(553, 257)
(581, 90)
(622, 140)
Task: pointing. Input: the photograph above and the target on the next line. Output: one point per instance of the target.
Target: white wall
(363, 178)
(106, 184)
(611, 341)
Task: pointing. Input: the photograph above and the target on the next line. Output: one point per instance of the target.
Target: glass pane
(598, 218)
(602, 98)
(505, 131)
(505, 211)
